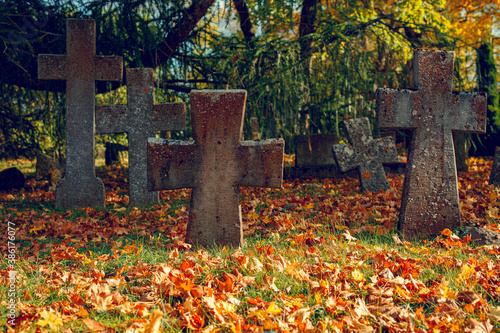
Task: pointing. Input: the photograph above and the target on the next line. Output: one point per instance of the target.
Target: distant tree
(306, 64)
(484, 145)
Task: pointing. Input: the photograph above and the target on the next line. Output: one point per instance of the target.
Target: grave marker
(495, 169)
(429, 201)
(80, 68)
(315, 150)
(140, 119)
(313, 157)
(365, 154)
(215, 164)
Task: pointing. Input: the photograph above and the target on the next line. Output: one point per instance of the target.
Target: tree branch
(348, 32)
(307, 25)
(245, 22)
(27, 74)
(178, 34)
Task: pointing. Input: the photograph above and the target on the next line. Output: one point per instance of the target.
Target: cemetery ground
(318, 256)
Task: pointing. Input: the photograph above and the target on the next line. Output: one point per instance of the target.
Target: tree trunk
(461, 144)
(245, 21)
(484, 145)
(306, 28)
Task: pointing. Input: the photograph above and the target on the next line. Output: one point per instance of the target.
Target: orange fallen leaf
(94, 326)
(154, 325)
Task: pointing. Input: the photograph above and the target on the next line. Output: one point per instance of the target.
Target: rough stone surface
(482, 236)
(429, 201)
(365, 154)
(48, 168)
(315, 150)
(80, 68)
(11, 179)
(215, 164)
(140, 119)
(495, 169)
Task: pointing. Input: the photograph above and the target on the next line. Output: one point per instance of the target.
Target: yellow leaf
(35, 229)
(357, 275)
(466, 272)
(154, 325)
(309, 206)
(493, 196)
(51, 319)
(272, 309)
(447, 292)
(131, 249)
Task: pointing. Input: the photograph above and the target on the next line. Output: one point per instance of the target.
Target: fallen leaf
(51, 319)
(347, 235)
(94, 326)
(154, 325)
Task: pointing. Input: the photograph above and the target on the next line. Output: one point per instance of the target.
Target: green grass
(27, 167)
(344, 255)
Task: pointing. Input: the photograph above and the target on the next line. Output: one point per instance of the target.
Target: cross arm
(395, 108)
(470, 115)
(52, 67)
(169, 117)
(384, 150)
(111, 119)
(172, 164)
(261, 163)
(346, 156)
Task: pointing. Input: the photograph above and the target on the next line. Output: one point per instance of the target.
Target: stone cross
(140, 119)
(495, 169)
(429, 201)
(215, 164)
(365, 154)
(80, 68)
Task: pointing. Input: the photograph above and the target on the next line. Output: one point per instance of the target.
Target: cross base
(216, 221)
(80, 192)
(372, 177)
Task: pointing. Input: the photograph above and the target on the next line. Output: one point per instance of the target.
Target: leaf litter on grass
(318, 257)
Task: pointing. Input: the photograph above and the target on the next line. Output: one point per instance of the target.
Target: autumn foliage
(318, 257)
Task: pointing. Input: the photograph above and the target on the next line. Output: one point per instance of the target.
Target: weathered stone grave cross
(429, 201)
(365, 154)
(215, 164)
(80, 68)
(140, 119)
